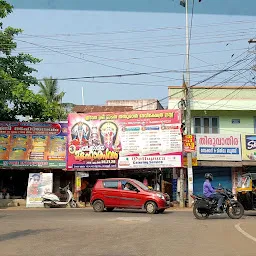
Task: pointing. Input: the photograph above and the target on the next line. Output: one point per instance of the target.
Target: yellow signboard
(194, 161)
(78, 184)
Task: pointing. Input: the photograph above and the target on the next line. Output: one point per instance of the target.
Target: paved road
(61, 232)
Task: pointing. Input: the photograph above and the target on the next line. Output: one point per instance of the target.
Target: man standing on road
(210, 192)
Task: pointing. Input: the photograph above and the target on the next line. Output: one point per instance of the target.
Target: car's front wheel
(98, 206)
(151, 207)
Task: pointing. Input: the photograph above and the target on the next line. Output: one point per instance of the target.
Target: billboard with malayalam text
(25, 144)
(135, 139)
(218, 147)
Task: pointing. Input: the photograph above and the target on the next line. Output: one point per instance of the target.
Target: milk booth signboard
(249, 147)
(136, 139)
(218, 147)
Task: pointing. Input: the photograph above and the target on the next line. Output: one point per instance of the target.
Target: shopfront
(30, 148)
(221, 175)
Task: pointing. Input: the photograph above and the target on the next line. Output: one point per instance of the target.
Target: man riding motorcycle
(212, 193)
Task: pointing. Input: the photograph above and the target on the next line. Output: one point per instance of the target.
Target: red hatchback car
(127, 194)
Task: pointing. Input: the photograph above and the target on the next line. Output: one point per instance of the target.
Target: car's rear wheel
(98, 206)
(109, 209)
(151, 207)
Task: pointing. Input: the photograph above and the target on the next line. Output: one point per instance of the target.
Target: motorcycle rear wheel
(198, 215)
(232, 211)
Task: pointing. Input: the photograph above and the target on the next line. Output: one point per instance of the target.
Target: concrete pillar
(56, 181)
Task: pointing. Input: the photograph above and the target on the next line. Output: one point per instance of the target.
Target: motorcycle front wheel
(200, 215)
(235, 211)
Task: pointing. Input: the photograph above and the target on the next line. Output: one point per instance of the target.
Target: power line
(234, 94)
(202, 81)
(154, 29)
(220, 84)
(145, 57)
(76, 62)
(98, 63)
(175, 38)
(139, 50)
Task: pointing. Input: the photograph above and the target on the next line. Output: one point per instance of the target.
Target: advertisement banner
(38, 185)
(189, 143)
(24, 144)
(249, 147)
(218, 147)
(78, 183)
(136, 139)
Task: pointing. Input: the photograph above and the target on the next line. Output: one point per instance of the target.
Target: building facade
(142, 104)
(219, 115)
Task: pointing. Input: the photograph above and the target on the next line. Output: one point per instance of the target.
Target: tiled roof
(95, 108)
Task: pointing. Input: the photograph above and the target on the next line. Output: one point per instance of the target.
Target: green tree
(50, 90)
(16, 79)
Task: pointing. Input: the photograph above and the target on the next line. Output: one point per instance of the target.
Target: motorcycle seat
(203, 197)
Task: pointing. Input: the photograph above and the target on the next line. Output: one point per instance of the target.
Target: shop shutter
(220, 175)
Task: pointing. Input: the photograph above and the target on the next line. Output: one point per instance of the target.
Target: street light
(182, 3)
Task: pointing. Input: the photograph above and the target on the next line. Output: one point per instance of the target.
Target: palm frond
(49, 88)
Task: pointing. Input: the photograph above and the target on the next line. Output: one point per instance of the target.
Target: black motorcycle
(204, 207)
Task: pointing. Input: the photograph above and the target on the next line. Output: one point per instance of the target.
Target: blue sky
(78, 43)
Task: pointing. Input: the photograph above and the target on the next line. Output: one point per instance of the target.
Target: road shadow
(22, 233)
(250, 214)
(221, 217)
(142, 212)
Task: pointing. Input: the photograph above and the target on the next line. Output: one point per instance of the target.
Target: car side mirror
(137, 190)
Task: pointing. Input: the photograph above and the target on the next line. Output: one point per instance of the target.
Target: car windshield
(140, 184)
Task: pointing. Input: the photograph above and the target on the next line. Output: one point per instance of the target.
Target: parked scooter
(52, 200)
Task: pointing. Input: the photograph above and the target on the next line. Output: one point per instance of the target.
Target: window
(113, 184)
(128, 186)
(206, 125)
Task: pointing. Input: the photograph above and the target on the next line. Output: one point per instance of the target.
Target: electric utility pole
(188, 110)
